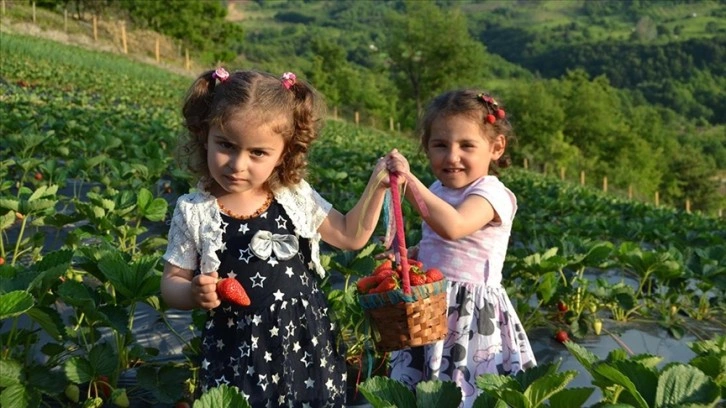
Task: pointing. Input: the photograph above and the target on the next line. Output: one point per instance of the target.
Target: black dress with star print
(281, 351)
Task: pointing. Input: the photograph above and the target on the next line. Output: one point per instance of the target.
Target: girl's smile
(459, 152)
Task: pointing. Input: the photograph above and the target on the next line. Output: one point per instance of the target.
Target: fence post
(398, 124)
(630, 191)
(657, 198)
(688, 205)
(65, 20)
(582, 177)
(156, 51)
(335, 112)
(3, 6)
(605, 184)
(526, 163)
(390, 123)
(187, 62)
(357, 118)
(562, 173)
(33, 12)
(95, 28)
(545, 169)
(123, 37)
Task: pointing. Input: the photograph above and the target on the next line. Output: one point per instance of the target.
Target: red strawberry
(386, 265)
(562, 336)
(434, 275)
(417, 279)
(230, 290)
(38, 175)
(562, 306)
(415, 263)
(367, 283)
(388, 283)
(491, 119)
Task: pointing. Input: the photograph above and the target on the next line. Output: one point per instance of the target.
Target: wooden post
(399, 126)
(582, 177)
(657, 199)
(123, 37)
(546, 168)
(357, 118)
(95, 28)
(65, 20)
(187, 61)
(526, 163)
(156, 51)
(630, 192)
(3, 6)
(390, 123)
(688, 205)
(33, 12)
(720, 212)
(562, 173)
(605, 184)
(335, 112)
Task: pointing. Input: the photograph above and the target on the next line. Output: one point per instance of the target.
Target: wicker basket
(413, 315)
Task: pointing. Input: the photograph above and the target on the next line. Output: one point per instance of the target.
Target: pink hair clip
(221, 74)
(288, 80)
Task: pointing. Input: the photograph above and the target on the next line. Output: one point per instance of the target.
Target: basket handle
(400, 246)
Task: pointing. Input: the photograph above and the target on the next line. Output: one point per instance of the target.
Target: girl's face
(459, 152)
(243, 155)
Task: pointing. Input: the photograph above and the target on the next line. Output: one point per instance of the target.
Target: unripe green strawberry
(597, 326)
(119, 398)
(72, 392)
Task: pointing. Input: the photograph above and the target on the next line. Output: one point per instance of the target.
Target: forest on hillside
(632, 90)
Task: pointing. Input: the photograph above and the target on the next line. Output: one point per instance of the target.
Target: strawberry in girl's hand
(434, 275)
(230, 290)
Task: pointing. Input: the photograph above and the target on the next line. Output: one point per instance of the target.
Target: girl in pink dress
(465, 234)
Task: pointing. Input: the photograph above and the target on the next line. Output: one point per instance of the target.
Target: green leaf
(10, 204)
(48, 381)
(76, 294)
(78, 370)
(542, 388)
(118, 272)
(165, 383)
(384, 392)
(222, 397)
(526, 377)
(19, 396)
(681, 384)
(7, 220)
(103, 359)
(11, 372)
(438, 394)
(571, 397)
(586, 357)
(49, 319)
(611, 373)
(15, 303)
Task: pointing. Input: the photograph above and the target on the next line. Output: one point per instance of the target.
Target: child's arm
(182, 290)
(353, 230)
(446, 220)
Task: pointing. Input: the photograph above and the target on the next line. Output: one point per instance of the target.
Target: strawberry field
(88, 181)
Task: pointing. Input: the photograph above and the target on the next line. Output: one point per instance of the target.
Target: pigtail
(307, 114)
(197, 104)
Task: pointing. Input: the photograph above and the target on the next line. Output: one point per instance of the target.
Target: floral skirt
(485, 336)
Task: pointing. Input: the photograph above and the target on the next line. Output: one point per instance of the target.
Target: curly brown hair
(471, 104)
(297, 112)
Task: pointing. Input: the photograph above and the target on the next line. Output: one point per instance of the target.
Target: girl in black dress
(255, 219)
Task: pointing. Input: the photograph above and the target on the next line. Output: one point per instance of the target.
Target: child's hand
(396, 163)
(204, 290)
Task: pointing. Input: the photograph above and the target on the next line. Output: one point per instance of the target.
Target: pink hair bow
(288, 80)
(221, 74)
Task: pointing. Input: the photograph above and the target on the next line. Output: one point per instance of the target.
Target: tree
(430, 50)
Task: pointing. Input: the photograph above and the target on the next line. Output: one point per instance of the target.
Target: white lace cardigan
(195, 233)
